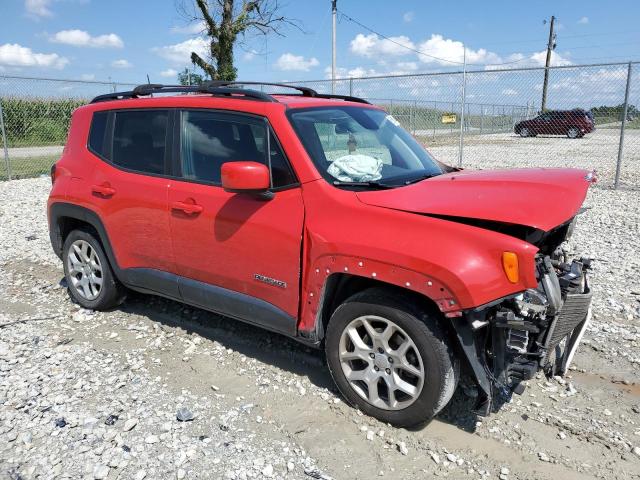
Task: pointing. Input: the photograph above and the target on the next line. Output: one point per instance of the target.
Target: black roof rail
(346, 98)
(150, 88)
(306, 91)
(222, 88)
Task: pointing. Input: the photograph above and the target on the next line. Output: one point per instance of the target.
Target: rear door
(129, 188)
(543, 124)
(236, 253)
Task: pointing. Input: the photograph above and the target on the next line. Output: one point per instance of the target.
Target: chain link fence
(476, 119)
(494, 119)
(34, 120)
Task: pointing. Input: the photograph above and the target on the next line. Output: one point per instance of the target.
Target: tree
(187, 77)
(223, 21)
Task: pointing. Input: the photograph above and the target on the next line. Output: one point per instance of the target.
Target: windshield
(361, 145)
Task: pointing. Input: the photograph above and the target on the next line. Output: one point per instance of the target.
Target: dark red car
(318, 217)
(572, 123)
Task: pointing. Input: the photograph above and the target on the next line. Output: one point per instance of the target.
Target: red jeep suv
(572, 123)
(318, 217)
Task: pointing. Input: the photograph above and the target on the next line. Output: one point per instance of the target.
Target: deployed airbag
(356, 168)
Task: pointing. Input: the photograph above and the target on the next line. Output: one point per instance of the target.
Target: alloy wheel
(524, 132)
(381, 362)
(84, 269)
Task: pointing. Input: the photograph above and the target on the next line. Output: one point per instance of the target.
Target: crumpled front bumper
(509, 340)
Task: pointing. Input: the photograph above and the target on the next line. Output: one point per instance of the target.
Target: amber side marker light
(510, 265)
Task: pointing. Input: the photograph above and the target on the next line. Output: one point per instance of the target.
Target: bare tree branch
(224, 20)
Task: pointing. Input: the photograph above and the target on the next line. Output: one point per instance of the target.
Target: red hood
(542, 198)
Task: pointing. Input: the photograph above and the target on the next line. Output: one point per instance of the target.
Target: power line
(563, 37)
(353, 20)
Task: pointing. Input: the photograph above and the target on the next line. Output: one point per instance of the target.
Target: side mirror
(248, 177)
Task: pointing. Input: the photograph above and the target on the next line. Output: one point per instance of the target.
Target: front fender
(457, 266)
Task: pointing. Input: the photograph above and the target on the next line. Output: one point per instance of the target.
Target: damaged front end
(509, 340)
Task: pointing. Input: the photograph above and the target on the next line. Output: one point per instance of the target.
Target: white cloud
(14, 55)
(38, 8)
(408, 66)
(407, 17)
(190, 29)
(250, 55)
(180, 53)
(583, 20)
(169, 72)
(87, 76)
(373, 46)
(80, 38)
(453, 50)
(539, 59)
(289, 61)
(356, 72)
(122, 63)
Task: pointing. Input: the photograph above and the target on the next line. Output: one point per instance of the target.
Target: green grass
(28, 167)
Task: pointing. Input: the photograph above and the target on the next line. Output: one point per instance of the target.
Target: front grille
(573, 312)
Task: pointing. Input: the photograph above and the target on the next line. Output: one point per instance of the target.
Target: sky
(126, 40)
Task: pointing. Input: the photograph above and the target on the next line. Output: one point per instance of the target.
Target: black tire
(111, 293)
(574, 132)
(524, 132)
(441, 367)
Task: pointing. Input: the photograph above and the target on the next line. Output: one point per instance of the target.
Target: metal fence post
(464, 97)
(5, 143)
(350, 87)
(622, 127)
(435, 117)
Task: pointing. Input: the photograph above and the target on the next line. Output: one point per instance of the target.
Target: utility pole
(334, 14)
(464, 100)
(551, 45)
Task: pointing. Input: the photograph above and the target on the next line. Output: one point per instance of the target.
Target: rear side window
(98, 134)
(139, 140)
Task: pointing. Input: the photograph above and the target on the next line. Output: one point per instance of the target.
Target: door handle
(187, 208)
(104, 189)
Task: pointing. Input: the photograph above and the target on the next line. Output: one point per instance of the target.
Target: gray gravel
(101, 394)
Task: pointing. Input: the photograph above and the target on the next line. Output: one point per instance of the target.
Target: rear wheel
(573, 132)
(390, 359)
(524, 132)
(90, 280)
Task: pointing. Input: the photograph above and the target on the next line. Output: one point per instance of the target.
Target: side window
(209, 139)
(280, 169)
(98, 134)
(139, 140)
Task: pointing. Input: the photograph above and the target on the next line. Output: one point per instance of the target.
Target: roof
(232, 91)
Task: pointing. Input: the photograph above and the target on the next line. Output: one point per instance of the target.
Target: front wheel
(524, 132)
(390, 359)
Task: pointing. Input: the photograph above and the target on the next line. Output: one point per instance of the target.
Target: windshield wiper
(420, 178)
(363, 184)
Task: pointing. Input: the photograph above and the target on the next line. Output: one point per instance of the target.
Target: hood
(541, 198)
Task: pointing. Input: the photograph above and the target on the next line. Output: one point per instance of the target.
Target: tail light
(52, 173)
(510, 266)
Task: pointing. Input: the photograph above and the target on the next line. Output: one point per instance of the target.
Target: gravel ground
(98, 394)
